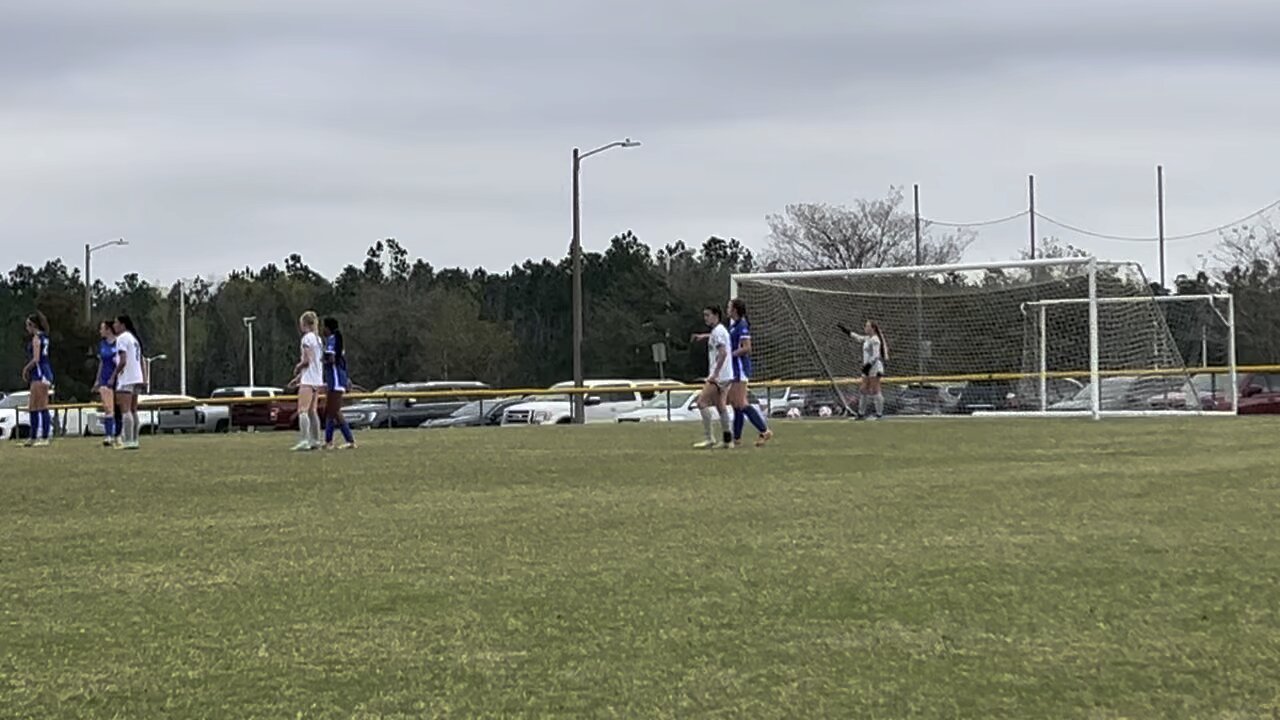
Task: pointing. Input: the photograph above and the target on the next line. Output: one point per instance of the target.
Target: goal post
(1049, 337)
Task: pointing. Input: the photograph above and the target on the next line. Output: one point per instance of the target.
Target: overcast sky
(217, 135)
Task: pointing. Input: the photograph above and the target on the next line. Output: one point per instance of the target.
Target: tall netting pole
(1095, 379)
(1231, 354)
(1044, 361)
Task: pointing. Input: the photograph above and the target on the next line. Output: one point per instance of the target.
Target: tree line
(406, 320)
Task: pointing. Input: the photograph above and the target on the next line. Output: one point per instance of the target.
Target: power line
(980, 223)
(1168, 238)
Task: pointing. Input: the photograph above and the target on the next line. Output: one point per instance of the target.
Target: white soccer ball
(793, 414)
(824, 411)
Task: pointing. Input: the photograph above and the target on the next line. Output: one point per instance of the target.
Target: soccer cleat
(764, 438)
(348, 446)
(40, 443)
(706, 445)
(29, 443)
(302, 446)
(106, 442)
(132, 446)
(117, 443)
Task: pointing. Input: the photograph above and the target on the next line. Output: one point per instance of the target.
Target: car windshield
(471, 409)
(1110, 387)
(1209, 382)
(678, 399)
(14, 401)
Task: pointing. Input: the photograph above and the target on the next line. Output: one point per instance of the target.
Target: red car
(1259, 393)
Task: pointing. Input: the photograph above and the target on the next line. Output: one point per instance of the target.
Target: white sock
(879, 401)
(862, 405)
(304, 427)
(726, 425)
(126, 432)
(316, 425)
(706, 423)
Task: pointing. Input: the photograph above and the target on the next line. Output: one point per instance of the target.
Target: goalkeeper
(875, 353)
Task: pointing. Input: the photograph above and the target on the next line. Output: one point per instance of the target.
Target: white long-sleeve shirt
(871, 352)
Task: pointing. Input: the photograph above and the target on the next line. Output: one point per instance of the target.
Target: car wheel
(223, 426)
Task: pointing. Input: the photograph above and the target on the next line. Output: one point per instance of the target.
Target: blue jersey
(335, 364)
(107, 355)
(739, 330)
(43, 370)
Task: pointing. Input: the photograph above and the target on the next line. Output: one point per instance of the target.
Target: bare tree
(871, 233)
(1052, 247)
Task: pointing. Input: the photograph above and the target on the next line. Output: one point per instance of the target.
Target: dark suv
(411, 412)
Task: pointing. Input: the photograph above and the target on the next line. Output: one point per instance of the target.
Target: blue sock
(739, 419)
(753, 414)
(109, 427)
(328, 431)
(346, 432)
(48, 423)
(36, 418)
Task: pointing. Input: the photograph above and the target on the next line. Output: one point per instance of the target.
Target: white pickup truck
(606, 401)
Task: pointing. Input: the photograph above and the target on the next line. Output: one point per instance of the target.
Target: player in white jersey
(129, 381)
(309, 379)
(715, 392)
(875, 351)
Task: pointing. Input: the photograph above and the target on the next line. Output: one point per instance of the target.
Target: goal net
(1072, 336)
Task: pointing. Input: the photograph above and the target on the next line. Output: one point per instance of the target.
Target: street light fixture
(579, 400)
(248, 322)
(89, 250)
(148, 361)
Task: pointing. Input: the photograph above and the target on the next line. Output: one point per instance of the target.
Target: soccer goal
(1053, 337)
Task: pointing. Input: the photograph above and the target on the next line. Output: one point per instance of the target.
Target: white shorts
(131, 389)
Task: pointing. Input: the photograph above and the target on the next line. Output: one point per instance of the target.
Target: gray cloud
(238, 132)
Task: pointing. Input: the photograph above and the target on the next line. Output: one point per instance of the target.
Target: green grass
(917, 569)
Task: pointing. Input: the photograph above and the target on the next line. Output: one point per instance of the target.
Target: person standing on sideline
(715, 391)
(309, 379)
(875, 353)
(129, 381)
(740, 358)
(103, 386)
(336, 383)
(38, 374)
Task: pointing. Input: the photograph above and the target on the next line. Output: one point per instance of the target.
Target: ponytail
(884, 345)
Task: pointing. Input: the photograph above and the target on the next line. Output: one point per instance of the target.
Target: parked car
(412, 412)
(262, 414)
(14, 423)
(1128, 392)
(607, 400)
(170, 414)
(987, 396)
(683, 405)
(477, 413)
(1259, 392)
(777, 401)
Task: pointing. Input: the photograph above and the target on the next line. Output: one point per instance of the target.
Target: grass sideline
(995, 568)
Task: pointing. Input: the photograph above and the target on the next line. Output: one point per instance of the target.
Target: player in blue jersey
(740, 356)
(104, 384)
(38, 372)
(336, 383)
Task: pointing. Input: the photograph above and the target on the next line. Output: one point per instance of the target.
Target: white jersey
(131, 370)
(871, 353)
(313, 373)
(719, 340)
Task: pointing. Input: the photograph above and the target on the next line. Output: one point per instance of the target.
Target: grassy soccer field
(935, 569)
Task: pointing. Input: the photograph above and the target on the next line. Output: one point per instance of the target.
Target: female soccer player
(309, 378)
(336, 383)
(716, 390)
(875, 352)
(129, 381)
(106, 371)
(38, 373)
(740, 349)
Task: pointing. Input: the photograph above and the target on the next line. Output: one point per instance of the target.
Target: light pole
(248, 322)
(153, 358)
(182, 337)
(579, 401)
(89, 250)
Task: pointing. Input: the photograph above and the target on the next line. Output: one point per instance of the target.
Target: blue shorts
(741, 369)
(42, 374)
(104, 380)
(336, 380)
